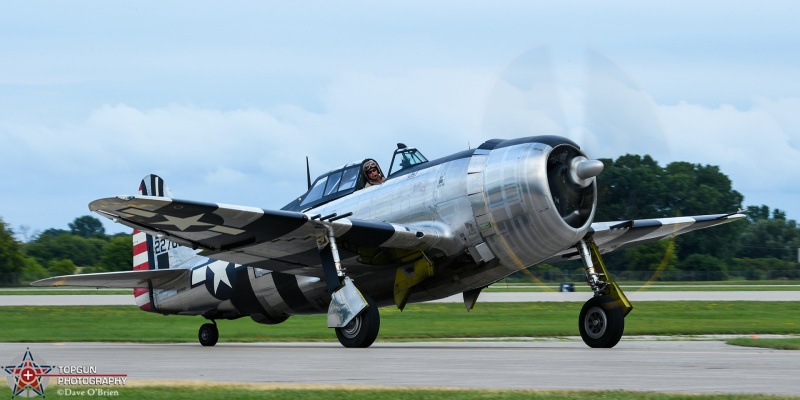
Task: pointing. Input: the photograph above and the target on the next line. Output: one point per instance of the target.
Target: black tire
(601, 322)
(208, 334)
(362, 331)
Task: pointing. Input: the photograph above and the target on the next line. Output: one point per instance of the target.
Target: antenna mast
(308, 173)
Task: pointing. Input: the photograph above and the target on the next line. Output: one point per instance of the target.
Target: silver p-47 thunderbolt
(429, 230)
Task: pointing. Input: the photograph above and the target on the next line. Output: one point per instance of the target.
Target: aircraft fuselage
(495, 199)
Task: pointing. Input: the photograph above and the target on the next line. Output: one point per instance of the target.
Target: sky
(224, 100)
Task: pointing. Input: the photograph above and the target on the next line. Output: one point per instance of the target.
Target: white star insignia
(220, 274)
(183, 223)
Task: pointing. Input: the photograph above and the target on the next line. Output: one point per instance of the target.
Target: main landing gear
(354, 316)
(602, 318)
(208, 334)
(362, 330)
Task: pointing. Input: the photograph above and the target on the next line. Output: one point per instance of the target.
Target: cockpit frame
(330, 186)
(343, 181)
(408, 157)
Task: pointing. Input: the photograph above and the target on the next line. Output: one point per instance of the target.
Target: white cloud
(244, 156)
(752, 146)
(253, 156)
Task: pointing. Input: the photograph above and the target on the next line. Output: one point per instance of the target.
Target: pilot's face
(372, 173)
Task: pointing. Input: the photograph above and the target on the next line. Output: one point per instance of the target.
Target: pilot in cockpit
(373, 173)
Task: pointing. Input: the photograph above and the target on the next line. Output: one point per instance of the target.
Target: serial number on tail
(163, 245)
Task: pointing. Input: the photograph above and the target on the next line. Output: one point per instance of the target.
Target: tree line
(764, 246)
(84, 248)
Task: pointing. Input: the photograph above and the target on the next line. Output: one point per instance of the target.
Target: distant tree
(765, 268)
(755, 213)
(694, 189)
(630, 187)
(52, 232)
(770, 237)
(636, 187)
(655, 256)
(61, 267)
(11, 256)
(87, 227)
(81, 251)
(33, 271)
(117, 254)
(27, 233)
(705, 267)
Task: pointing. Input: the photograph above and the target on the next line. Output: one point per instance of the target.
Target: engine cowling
(540, 198)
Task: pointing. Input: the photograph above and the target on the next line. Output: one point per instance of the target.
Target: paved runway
(120, 299)
(662, 366)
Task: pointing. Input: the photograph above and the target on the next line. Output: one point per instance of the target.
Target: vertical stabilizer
(144, 256)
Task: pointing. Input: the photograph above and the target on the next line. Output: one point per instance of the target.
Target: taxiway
(660, 366)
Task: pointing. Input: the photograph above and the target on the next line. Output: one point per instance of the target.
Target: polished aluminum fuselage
(496, 202)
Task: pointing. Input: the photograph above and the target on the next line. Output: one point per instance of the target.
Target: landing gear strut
(354, 316)
(208, 334)
(602, 318)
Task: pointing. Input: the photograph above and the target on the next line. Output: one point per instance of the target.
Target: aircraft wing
(276, 240)
(123, 279)
(610, 236)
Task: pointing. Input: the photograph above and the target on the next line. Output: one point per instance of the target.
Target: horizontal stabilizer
(123, 279)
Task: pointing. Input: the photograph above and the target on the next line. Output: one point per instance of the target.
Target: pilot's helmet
(370, 165)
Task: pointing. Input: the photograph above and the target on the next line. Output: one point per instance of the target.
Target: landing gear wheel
(208, 334)
(601, 322)
(363, 329)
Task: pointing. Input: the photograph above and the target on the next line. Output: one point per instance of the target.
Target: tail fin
(144, 245)
(153, 185)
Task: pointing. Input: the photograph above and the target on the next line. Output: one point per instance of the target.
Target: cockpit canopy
(333, 185)
(404, 158)
(349, 178)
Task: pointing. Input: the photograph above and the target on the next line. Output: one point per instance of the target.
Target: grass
(210, 391)
(781, 344)
(38, 291)
(431, 321)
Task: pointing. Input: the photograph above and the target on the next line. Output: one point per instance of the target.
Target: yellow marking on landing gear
(613, 289)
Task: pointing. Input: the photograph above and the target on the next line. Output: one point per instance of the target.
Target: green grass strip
(417, 322)
(781, 344)
(256, 391)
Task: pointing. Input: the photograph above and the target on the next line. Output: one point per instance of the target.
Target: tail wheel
(208, 334)
(362, 331)
(601, 322)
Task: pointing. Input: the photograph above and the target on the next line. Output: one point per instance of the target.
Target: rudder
(144, 256)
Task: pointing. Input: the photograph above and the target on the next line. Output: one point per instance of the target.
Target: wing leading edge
(277, 240)
(610, 236)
